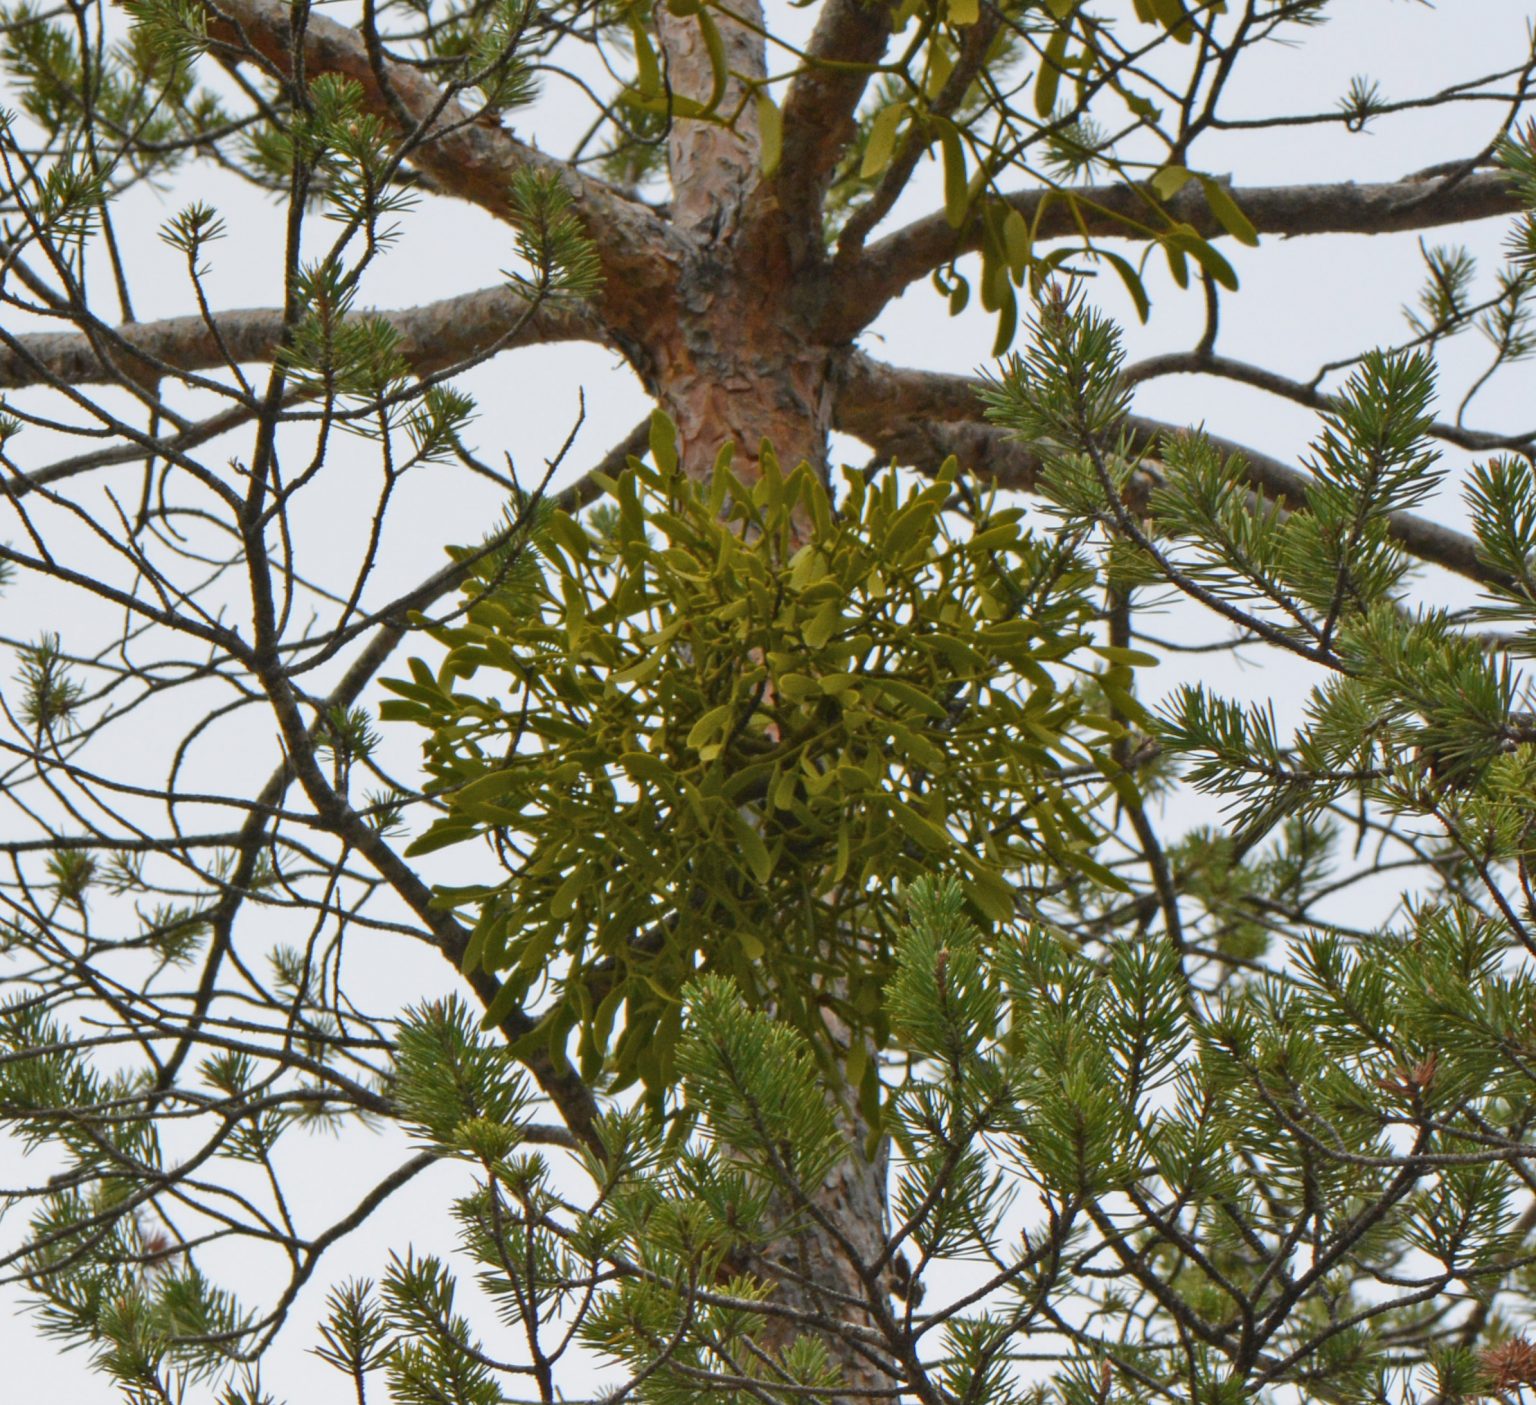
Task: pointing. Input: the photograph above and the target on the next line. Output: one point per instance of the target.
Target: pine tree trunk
(720, 340)
(731, 355)
(829, 1258)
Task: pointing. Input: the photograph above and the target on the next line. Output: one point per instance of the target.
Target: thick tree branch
(1198, 363)
(470, 159)
(850, 36)
(919, 418)
(432, 337)
(1127, 212)
(713, 164)
(968, 65)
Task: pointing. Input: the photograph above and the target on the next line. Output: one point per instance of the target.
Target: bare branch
(432, 336)
(1127, 212)
(850, 36)
(470, 159)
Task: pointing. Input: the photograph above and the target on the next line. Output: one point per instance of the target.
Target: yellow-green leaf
(881, 145)
(1132, 280)
(994, 281)
(474, 950)
(486, 789)
(663, 441)
(607, 1010)
(857, 1062)
(991, 894)
(1007, 320)
(940, 66)
(1006, 534)
(1169, 181)
(823, 624)
(753, 850)
(563, 903)
(1177, 264)
(1094, 870)
(956, 190)
(1207, 257)
(718, 65)
(709, 726)
(806, 567)
(963, 12)
(1016, 243)
(645, 767)
(913, 745)
(648, 69)
(1116, 653)
(908, 525)
(917, 827)
(1227, 213)
(913, 697)
(770, 127)
(1175, 19)
(1052, 64)
(564, 529)
(641, 672)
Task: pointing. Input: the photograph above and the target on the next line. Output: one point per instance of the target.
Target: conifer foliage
(831, 996)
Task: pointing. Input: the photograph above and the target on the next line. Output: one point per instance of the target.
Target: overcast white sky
(1302, 302)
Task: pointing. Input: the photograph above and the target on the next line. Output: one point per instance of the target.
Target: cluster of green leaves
(813, 706)
(917, 109)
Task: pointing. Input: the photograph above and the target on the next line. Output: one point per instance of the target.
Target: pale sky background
(1302, 302)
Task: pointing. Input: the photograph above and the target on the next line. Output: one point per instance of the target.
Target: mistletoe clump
(733, 721)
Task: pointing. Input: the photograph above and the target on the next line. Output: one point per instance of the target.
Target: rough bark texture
(730, 363)
(735, 363)
(713, 162)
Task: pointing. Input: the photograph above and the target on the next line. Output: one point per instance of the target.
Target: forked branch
(919, 418)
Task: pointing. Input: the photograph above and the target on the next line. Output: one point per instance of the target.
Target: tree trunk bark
(731, 356)
(728, 358)
(822, 1264)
